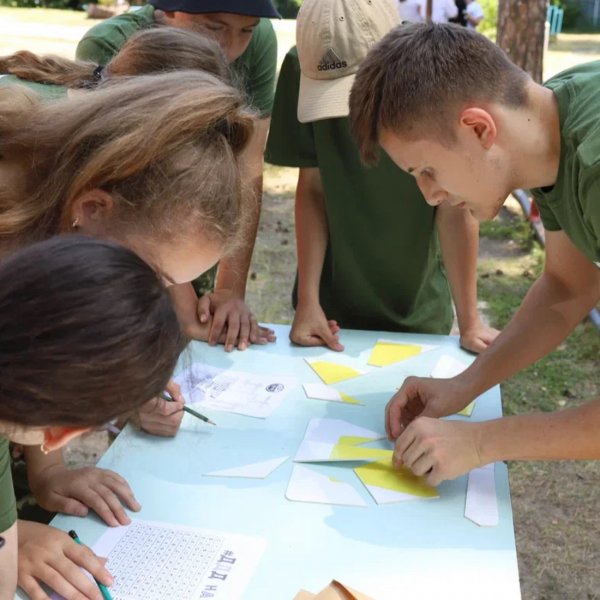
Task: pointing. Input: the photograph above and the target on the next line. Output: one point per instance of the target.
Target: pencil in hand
(188, 410)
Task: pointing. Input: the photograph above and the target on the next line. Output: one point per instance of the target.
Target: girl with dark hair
(81, 321)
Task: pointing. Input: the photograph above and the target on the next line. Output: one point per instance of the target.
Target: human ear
(480, 123)
(91, 211)
(57, 437)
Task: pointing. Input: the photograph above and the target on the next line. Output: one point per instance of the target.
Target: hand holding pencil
(188, 410)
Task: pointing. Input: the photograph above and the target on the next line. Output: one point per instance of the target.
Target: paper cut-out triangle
(387, 484)
(258, 470)
(331, 372)
(388, 352)
(307, 485)
(481, 503)
(334, 591)
(447, 366)
(320, 391)
(349, 448)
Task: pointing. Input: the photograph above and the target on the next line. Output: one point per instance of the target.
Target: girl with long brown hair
(99, 316)
(215, 316)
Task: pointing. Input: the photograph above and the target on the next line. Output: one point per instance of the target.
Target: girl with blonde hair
(152, 162)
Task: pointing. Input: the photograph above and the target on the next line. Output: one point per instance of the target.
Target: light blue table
(420, 549)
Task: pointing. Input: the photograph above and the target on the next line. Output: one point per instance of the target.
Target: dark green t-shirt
(46, 92)
(573, 203)
(382, 268)
(8, 506)
(255, 68)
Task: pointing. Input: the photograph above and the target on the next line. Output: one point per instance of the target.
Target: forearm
(570, 434)
(311, 238)
(546, 317)
(458, 234)
(233, 269)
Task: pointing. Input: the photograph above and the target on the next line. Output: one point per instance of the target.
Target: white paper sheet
(448, 366)
(258, 470)
(481, 504)
(233, 391)
(156, 561)
(323, 434)
(321, 391)
(307, 485)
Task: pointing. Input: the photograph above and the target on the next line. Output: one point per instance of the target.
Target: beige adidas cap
(333, 38)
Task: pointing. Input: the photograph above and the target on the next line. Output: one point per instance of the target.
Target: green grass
(567, 375)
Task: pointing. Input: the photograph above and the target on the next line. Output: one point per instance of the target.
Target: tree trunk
(428, 10)
(521, 28)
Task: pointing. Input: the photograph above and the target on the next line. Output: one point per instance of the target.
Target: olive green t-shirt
(255, 68)
(46, 92)
(573, 203)
(382, 268)
(8, 506)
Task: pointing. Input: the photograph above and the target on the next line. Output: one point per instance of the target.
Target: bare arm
(233, 270)
(458, 233)
(311, 327)
(567, 290)
(442, 450)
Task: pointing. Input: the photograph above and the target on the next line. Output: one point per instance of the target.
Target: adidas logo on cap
(331, 61)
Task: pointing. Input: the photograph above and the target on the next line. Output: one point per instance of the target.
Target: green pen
(103, 589)
(188, 410)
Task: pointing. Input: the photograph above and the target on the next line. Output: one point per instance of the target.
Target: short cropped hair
(415, 79)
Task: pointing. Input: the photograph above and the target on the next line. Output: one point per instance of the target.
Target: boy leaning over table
(245, 33)
(368, 253)
(469, 132)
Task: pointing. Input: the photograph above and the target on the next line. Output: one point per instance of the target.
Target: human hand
(438, 449)
(229, 316)
(423, 396)
(50, 556)
(312, 328)
(161, 417)
(74, 491)
(477, 337)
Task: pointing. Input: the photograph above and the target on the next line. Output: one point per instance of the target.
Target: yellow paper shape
(351, 400)
(467, 411)
(382, 474)
(348, 448)
(387, 353)
(333, 373)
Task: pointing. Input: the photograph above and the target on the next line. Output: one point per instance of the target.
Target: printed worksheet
(156, 561)
(233, 391)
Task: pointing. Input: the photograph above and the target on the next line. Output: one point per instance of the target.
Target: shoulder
(109, 36)
(264, 34)
(18, 90)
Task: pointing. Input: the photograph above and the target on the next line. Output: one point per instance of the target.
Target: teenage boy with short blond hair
(470, 131)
